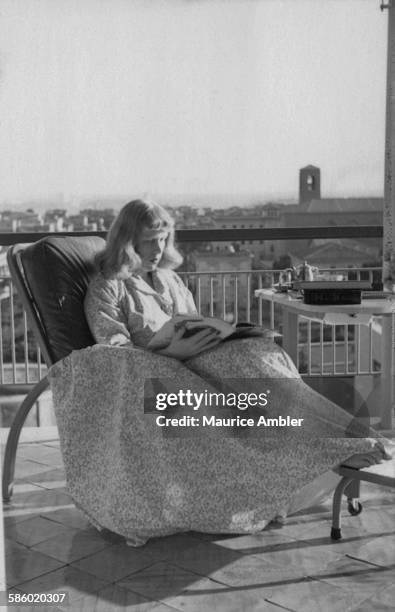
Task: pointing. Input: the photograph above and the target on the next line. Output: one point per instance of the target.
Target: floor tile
(12, 519)
(252, 571)
(24, 467)
(70, 516)
(76, 584)
(318, 512)
(371, 521)
(170, 547)
(256, 543)
(114, 598)
(202, 585)
(115, 562)
(305, 530)
(310, 596)
(380, 551)
(350, 544)
(37, 530)
(159, 581)
(295, 566)
(55, 497)
(23, 486)
(40, 454)
(72, 545)
(205, 558)
(49, 479)
(53, 443)
(27, 564)
(383, 601)
(301, 555)
(36, 502)
(12, 547)
(363, 578)
(222, 600)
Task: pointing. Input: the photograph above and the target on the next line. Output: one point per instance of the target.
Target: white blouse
(131, 311)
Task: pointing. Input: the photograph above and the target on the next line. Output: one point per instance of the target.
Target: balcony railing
(225, 294)
(237, 234)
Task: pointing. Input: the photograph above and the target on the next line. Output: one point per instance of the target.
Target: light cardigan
(130, 311)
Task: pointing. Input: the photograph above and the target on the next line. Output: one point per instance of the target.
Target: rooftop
(346, 205)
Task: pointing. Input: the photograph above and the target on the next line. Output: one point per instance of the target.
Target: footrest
(381, 474)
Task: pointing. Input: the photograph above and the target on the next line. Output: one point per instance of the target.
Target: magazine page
(191, 326)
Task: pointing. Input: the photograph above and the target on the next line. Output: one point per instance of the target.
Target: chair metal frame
(21, 283)
(349, 485)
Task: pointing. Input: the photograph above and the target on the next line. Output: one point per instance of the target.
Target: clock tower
(309, 184)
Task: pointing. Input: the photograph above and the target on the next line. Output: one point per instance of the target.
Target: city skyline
(73, 203)
(214, 201)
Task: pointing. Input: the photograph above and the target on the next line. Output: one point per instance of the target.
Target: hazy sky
(190, 96)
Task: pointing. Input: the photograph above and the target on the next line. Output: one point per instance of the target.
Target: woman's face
(150, 247)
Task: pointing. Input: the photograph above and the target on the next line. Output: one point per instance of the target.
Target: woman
(141, 479)
(136, 291)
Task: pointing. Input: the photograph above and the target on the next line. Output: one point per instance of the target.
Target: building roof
(332, 252)
(310, 167)
(330, 205)
(332, 218)
(293, 208)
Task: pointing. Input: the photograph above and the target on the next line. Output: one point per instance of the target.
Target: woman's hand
(183, 318)
(120, 340)
(185, 348)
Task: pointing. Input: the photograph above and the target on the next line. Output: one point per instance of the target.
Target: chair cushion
(58, 270)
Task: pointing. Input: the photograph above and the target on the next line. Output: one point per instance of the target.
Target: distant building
(269, 216)
(336, 254)
(55, 213)
(333, 212)
(8, 225)
(311, 211)
(80, 223)
(102, 218)
(315, 211)
(56, 218)
(309, 184)
(39, 227)
(21, 221)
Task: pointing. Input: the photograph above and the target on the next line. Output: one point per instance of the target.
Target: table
(293, 306)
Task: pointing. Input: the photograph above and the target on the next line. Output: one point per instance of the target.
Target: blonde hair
(119, 258)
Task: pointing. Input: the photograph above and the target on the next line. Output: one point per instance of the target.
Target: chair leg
(352, 491)
(336, 533)
(14, 434)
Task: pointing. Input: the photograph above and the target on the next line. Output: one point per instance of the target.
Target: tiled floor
(51, 547)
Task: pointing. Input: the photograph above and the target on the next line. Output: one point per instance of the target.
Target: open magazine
(193, 325)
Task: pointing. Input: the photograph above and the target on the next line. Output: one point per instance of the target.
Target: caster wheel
(336, 533)
(354, 509)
